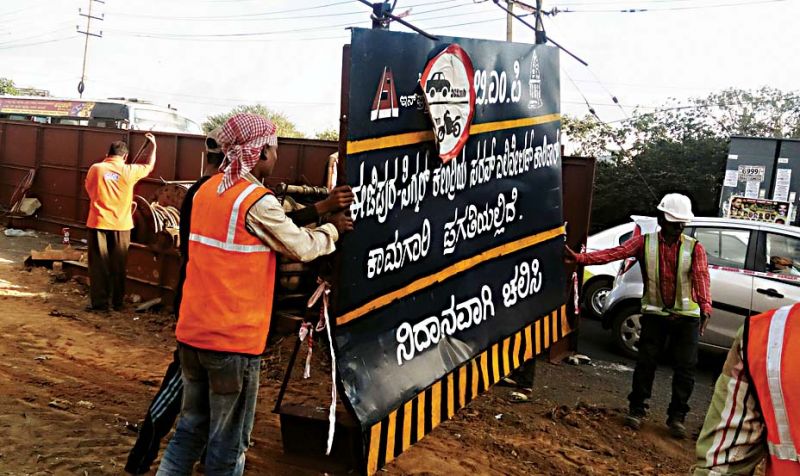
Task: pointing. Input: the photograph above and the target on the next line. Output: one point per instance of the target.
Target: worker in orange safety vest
(755, 411)
(237, 227)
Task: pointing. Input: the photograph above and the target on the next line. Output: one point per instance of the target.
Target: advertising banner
(754, 209)
(46, 107)
(453, 275)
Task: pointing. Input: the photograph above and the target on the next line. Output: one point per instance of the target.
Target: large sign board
(453, 275)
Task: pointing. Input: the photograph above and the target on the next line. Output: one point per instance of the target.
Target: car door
(777, 282)
(728, 250)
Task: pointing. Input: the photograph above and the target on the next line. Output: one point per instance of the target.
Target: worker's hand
(570, 257)
(342, 222)
(150, 137)
(339, 199)
(705, 318)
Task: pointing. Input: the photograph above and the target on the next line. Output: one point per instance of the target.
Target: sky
(206, 56)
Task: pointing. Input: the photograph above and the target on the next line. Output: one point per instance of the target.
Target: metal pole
(85, 49)
(510, 21)
(541, 36)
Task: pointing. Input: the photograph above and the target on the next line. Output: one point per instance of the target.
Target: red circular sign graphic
(448, 87)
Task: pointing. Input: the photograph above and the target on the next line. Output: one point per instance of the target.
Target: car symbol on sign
(438, 83)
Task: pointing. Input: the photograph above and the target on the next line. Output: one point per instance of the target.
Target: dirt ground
(74, 385)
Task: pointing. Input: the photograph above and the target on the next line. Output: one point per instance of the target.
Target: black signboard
(447, 259)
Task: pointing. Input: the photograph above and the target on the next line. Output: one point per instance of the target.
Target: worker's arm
(732, 439)
(629, 249)
(140, 171)
(267, 221)
(701, 284)
(339, 199)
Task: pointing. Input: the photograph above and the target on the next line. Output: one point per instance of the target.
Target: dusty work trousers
(108, 256)
(682, 334)
(219, 404)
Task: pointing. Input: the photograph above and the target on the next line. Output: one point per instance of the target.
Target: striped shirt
(733, 438)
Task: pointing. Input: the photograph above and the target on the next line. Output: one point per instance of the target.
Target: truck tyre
(594, 295)
(627, 329)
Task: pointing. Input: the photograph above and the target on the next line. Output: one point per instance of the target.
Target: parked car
(599, 279)
(754, 267)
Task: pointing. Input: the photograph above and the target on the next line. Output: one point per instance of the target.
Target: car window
(625, 237)
(724, 246)
(783, 254)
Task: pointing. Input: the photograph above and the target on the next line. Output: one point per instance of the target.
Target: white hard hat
(676, 208)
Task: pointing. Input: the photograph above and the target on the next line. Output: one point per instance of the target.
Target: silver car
(754, 267)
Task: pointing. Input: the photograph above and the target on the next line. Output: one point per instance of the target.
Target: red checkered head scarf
(242, 137)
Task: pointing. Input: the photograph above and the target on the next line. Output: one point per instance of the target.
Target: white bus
(117, 113)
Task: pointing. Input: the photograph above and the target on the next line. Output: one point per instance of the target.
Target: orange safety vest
(773, 364)
(230, 275)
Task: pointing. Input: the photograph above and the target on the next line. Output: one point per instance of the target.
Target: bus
(116, 113)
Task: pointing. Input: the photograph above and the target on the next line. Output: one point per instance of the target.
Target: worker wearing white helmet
(676, 306)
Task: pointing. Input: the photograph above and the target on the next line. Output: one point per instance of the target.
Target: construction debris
(13, 232)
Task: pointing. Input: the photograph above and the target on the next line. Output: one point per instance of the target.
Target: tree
(7, 87)
(675, 149)
(286, 128)
(330, 133)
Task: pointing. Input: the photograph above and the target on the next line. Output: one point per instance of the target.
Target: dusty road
(73, 385)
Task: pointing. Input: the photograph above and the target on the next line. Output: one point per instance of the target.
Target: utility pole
(541, 36)
(509, 20)
(87, 34)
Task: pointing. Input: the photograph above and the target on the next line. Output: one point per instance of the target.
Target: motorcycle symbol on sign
(451, 126)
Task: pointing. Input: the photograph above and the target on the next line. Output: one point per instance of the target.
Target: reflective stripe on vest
(230, 274)
(228, 244)
(785, 448)
(652, 301)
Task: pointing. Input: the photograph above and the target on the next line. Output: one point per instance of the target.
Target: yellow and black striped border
(414, 419)
(411, 138)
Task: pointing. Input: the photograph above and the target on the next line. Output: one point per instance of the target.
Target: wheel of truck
(594, 296)
(444, 91)
(627, 329)
(431, 91)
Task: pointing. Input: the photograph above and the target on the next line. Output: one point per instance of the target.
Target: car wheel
(594, 296)
(627, 329)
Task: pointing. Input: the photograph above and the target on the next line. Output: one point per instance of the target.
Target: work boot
(676, 428)
(633, 419)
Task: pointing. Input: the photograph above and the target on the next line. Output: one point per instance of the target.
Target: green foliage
(676, 149)
(7, 87)
(286, 128)
(330, 133)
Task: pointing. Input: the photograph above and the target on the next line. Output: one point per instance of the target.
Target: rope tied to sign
(307, 332)
(323, 291)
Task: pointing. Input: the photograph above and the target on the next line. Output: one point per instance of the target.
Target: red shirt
(667, 266)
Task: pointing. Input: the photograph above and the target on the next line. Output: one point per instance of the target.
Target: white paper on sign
(733, 157)
(752, 189)
(783, 160)
(731, 178)
(783, 179)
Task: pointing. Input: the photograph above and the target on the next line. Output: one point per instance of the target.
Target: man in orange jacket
(109, 185)
(237, 227)
(755, 411)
